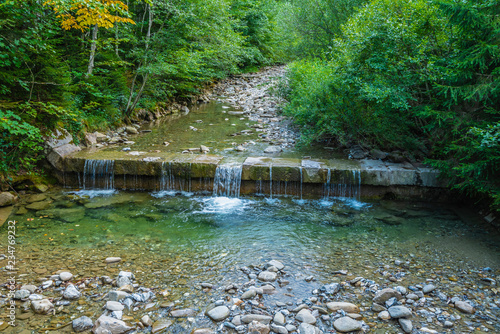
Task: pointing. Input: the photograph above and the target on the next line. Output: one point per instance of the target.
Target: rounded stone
(114, 306)
(65, 276)
(219, 313)
(384, 315)
(267, 276)
(346, 324)
(464, 307)
(397, 312)
(82, 324)
(71, 292)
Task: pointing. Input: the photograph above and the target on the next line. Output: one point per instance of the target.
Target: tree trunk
(93, 47)
(131, 107)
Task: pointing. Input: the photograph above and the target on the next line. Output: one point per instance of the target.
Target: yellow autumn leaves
(82, 14)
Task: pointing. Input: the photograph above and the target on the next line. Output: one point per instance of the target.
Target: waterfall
(300, 169)
(227, 181)
(171, 182)
(348, 186)
(271, 181)
(99, 174)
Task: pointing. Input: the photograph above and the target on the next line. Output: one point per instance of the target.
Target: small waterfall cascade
(227, 181)
(271, 181)
(99, 174)
(170, 182)
(348, 185)
(301, 182)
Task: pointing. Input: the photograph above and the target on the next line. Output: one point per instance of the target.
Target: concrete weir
(264, 175)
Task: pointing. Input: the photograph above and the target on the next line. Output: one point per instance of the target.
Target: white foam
(224, 205)
(95, 193)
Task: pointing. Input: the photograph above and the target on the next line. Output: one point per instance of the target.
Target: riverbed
(188, 249)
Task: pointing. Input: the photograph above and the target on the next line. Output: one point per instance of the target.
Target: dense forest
(419, 77)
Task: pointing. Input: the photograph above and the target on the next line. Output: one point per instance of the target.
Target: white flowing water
(227, 181)
(99, 174)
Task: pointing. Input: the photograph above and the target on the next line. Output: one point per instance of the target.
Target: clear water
(176, 242)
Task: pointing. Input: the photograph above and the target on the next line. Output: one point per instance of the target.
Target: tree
(83, 14)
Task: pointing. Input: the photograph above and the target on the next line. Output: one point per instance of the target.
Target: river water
(173, 243)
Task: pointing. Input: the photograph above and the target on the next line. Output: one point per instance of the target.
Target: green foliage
(411, 75)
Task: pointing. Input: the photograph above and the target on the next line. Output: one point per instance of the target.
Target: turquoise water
(176, 242)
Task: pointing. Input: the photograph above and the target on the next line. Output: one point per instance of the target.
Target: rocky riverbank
(254, 303)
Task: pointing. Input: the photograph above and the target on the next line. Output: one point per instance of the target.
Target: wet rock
(428, 288)
(305, 316)
(377, 307)
(184, 313)
(249, 294)
(43, 306)
(248, 318)
(203, 331)
(448, 324)
(39, 206)
(146, 321)
(346, 307)
(279, 319)
(330, 289)
(279, 329)
(397, 312)
(113, 259)
(71, 292)
(117, 295)
(122, 281)
(385, 294)
(22, 294)
(384, 315)
(219, 313)
(6, 199)
(82, 324)
(31, 288)
(406, 325)
(464, 307)
(268, 289)
(240, 148)
(114, 306)
(346, 324)
(106, 325)
(36, 198)
(256, 327)
(277, 264)
(131, 130)
(273, 150)
(65, 276)
(308, 329)
(204, 149)
(267, 276)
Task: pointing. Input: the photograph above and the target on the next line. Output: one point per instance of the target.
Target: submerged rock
(82, 324)
(346, 324)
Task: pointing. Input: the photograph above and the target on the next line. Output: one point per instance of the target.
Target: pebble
(43, 306)
(219, 313)
(346, 307)
(65, 276)
(385, 294)
(406, 325)
(267, 276)
(256, 327)
(464, 307)
(305, 316)
(384, 315)
(250, 293)
(346, 324)
(146, 321)
(248, 318)
(428, 288)
(183, 313)
(113, 259)
(22, 294)
(71, 292)
(279, 319)
(161, 324)
(397, 312)
(82, 324)
(114, 306)
(307, 329)
(107, 324)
